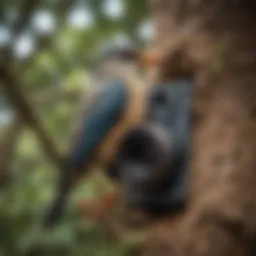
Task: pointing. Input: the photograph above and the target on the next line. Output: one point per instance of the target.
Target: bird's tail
(56, 211)
(59, 204)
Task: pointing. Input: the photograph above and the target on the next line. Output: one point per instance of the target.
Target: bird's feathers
(100, 118)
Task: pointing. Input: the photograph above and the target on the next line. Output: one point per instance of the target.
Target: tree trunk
(216, 42)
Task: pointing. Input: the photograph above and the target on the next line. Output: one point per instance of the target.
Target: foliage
(59, 65)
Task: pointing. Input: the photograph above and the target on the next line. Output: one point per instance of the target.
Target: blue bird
(108, 116)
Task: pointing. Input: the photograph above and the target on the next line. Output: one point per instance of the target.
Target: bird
(116, 104)
(125, 99)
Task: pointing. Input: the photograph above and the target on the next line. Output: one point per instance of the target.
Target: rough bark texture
(215, 41)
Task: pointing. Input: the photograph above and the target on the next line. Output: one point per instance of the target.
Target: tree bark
(215, 42)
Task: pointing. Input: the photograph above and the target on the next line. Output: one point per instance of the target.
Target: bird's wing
(101, 116)
(99, 119)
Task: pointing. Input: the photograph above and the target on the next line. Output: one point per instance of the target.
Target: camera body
(152, 161)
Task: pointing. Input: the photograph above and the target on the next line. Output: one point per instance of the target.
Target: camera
(152, 161)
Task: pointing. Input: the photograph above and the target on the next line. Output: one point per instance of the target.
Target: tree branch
(7, 148)
(26, 112)
(12, 85)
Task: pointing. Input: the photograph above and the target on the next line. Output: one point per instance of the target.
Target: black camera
(152, 162)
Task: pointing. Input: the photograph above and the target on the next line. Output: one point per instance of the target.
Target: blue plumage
(104, 112)
(99, 120)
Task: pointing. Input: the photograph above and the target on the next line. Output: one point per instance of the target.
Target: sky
(44, 22)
